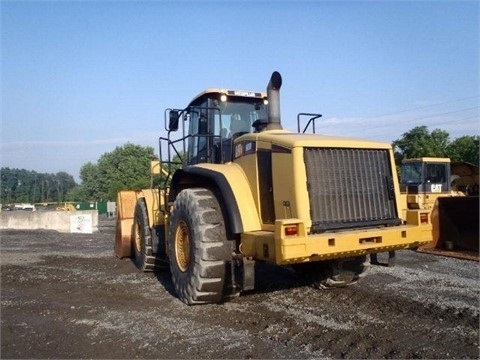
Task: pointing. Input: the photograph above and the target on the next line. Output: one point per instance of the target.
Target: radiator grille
(349, 188)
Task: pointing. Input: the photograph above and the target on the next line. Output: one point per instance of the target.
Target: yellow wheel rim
(182, 246)
(138, 237)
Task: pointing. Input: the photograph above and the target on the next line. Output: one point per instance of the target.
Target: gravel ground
(68, 296)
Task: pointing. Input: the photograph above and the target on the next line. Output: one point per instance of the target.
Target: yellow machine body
(238, 188)
(450, 209)
(271, 239)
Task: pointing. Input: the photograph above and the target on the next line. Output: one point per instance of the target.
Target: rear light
(291, 230)
(424, 218)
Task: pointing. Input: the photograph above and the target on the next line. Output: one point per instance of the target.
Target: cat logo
(436, 188)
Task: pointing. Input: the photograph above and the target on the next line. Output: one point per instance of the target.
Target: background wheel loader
(450, 192)
(247, 191)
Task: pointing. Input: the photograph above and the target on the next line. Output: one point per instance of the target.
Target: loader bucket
(455, 222)
(126, 201)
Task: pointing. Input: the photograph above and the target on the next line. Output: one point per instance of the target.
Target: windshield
(412, 173)
(432, 173)
(238, 115)
(435, 173)
(214, 123)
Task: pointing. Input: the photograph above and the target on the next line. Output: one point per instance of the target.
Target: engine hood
(291, 140)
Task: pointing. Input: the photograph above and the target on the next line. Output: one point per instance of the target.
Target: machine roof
(230, 92)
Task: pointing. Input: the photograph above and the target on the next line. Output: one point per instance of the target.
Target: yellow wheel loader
(248, 191)
(449, 192)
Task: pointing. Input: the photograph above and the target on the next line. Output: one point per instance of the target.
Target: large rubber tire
(334, 273)
(142, 252)
(198, 249)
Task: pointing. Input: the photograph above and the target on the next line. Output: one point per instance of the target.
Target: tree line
(128, 167)
(25, 186)
(419, 142)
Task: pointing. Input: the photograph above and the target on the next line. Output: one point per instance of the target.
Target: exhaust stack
(273, 95)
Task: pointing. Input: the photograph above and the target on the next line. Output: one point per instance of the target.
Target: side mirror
(173, 120)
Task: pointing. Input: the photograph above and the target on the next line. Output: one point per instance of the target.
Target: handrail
(310, 121)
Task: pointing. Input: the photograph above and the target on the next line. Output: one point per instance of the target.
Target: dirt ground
(68, 296)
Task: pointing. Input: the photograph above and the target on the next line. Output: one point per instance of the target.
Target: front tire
(198, 250)
(142, 252)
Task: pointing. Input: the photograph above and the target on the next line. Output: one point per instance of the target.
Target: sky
(79, 78)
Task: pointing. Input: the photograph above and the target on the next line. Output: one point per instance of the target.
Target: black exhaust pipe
(273, 96)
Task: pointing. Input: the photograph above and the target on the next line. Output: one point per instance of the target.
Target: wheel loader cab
(215, 118)
(423, 180)
(426, 175)
(432, 187)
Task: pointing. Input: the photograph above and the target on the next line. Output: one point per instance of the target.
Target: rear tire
(142, 252)
(198, 249)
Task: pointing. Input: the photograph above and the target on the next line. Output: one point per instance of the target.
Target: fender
(154, 199)
(233, 184)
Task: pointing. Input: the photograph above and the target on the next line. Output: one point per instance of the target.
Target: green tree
(76, 194)
(420, 142)
(20, 185)
(89, 188)
(126, 167)
(64, 183)
(465, 148)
